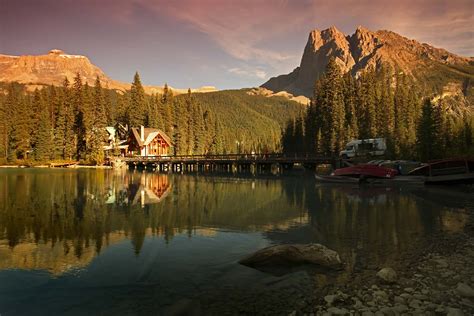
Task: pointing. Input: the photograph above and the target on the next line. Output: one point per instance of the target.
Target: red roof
(149, 135)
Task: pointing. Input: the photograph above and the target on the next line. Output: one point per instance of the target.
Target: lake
(92, 241)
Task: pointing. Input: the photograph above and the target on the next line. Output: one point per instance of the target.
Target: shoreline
(435, 277)
(53, 167)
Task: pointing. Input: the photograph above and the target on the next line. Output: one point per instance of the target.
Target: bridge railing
(230, 157)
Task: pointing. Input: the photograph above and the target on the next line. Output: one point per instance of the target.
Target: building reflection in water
(141, 188)
(61, 219)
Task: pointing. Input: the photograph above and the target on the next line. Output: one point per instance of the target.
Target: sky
(222, 43)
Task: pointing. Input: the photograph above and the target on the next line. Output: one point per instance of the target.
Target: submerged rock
(388, 275)
(294, 254)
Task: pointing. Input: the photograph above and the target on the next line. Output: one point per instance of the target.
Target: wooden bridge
(229, 162)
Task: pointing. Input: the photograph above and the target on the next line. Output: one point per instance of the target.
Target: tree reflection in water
(55, 218)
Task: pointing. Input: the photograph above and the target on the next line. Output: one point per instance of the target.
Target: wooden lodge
(137, 141)
(148, 142)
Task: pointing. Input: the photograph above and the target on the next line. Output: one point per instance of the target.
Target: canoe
(337, 179)
(397, 180)
(446, 171)
(366, 171)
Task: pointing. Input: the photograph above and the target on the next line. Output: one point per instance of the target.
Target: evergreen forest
(381, 103)
(68, 123)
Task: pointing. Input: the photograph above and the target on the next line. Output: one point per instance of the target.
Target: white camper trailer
(364, 147)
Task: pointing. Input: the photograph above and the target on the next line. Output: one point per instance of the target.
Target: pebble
(388, 275)
(399, 300)
(400, 308)
(415, 304)
(464, 290)
(420, 297)
(338, 311)
(454, 312)
(330, 299)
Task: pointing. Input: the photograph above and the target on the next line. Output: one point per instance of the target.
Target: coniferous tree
(19, 136)
(44, 145)
(3, 129)
(199, 130)
(189, 123)
(330, 100)
(426, 132)
(352, 126)
(97, 129)
(137, 107)
(70, 136)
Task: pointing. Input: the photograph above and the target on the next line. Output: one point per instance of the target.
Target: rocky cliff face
(363, 49)
(52, 68)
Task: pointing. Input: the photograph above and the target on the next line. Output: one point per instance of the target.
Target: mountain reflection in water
(97, 221)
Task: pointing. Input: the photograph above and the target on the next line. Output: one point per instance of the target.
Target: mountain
(52, 68)
(436, 69)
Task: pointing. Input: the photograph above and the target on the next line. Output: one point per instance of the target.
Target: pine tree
(70, 136)
(351, 122)
(199, 130)
(154, 119)
(368, 99)
(19, 142)
(426, 132)
(189, 121)
(44, 145)
(137, 108)
(330, 100)
(3, 129)
(166, 109)
(98, 122)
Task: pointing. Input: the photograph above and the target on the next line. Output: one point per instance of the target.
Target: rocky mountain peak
(362, 50)
(37, 71)
(56, 52)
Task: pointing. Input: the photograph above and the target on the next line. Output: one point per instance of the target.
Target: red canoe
(370, 171)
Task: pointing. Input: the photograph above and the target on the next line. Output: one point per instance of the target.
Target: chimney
(142, 133)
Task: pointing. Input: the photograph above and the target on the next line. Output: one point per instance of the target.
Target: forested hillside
(416, 123)
(68, 122)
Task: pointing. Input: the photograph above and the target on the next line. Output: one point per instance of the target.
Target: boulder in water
(294, 254)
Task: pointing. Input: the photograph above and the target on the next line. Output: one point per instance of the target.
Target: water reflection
(62, 219)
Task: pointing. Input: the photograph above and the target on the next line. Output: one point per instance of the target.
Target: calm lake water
(120, 242)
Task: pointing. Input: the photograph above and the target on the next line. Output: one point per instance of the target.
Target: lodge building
(139, 141)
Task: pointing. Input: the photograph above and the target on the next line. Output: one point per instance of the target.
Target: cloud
(247, 29)
(248, 72)
(238, 27)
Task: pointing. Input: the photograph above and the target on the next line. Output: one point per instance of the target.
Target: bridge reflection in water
(253, 163)
(55, 219)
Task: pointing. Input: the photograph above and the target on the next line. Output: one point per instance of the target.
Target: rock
(338, 311)
(380, 294)
(387, 311)
(400, 308)
(294, 254)
(464, 290)
(330, 299)
(409, 289)
(420, 297)
(399, 300)
(415, 303)
(442, 263)
(454, 312)
(405, 295)
(388, 275)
